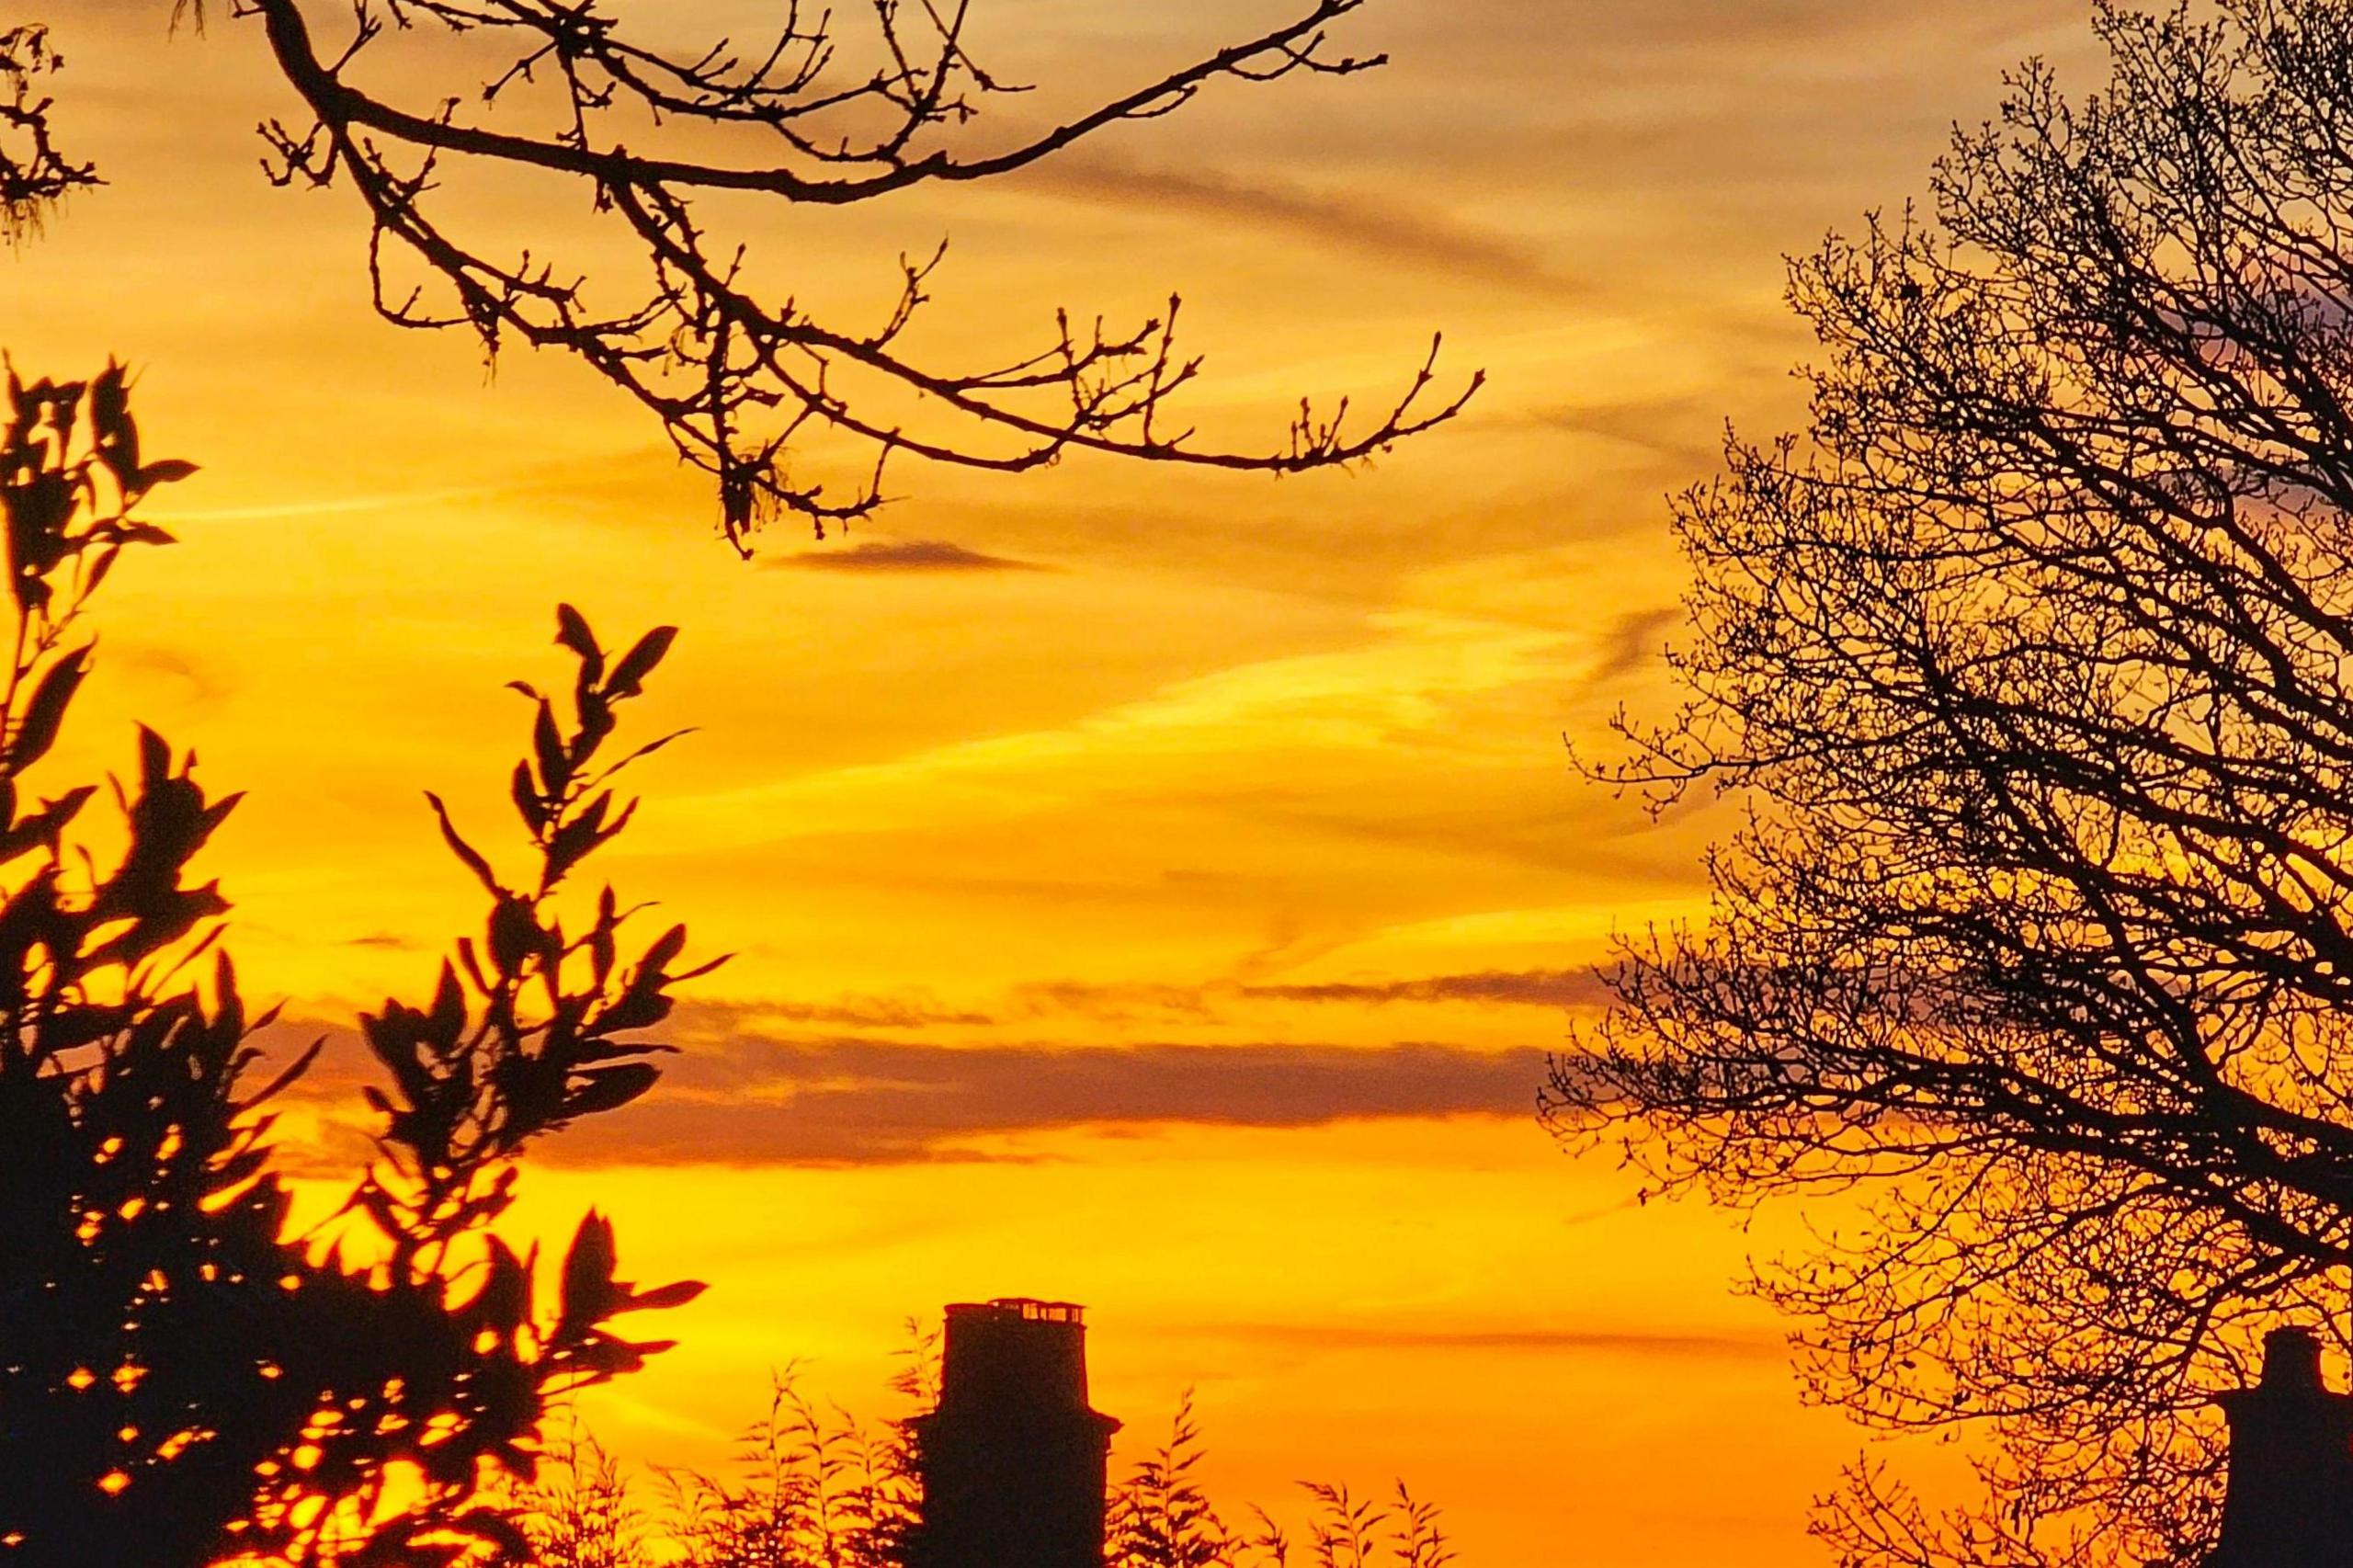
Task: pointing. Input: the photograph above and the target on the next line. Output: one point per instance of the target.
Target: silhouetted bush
(179, 1379)
(817, 1488)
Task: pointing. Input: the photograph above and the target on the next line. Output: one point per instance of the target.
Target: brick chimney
(1012, 1461)
(2289, 1503)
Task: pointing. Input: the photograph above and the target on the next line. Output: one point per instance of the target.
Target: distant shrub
(815, 1487)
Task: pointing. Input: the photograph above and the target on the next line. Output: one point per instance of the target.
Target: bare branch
(740, 384)
(34, 175)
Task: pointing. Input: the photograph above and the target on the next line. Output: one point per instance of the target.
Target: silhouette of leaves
(183, 1380)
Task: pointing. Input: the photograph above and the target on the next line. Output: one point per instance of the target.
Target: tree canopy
(2033, 662)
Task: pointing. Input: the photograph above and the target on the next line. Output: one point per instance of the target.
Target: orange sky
(1163, 898)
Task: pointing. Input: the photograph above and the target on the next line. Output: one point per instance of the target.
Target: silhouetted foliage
(1162, 1518)
(814, 113)
(2032, 660)
(819, 1489)
(33, 174)
(584, 1515)
(179, 1378)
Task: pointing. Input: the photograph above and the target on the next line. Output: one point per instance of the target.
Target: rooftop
(1027, 1308)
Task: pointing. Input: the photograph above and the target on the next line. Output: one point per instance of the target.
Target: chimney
(2289, 1501)
(1012, 1461)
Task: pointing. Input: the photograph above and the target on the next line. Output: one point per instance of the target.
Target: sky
(1150, 888)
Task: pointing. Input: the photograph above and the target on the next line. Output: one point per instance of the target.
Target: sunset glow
(1146, 888)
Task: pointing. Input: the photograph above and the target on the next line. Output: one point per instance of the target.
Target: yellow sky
(1166, 909)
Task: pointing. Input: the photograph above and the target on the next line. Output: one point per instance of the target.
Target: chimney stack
(1013, 1461)
(2289, 1501)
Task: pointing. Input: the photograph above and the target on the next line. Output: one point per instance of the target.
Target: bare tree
(2031, 661)
(812, 114)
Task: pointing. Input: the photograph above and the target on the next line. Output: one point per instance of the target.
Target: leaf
(600, 939)
(664, 1296)
(639, 662)
(170, 471)
(155, 758)
(648, 749)
(575, 838)
(589, 1270)
(706, 967)
(294, 1070)
(571, 632)
(110, 408)
(608, 1088)
(665, 946)
(462, 850)
(527, 804)
(555, 767)
(45, 713)
(506, 1297)
(473, 965)
(449, 1014)
(46, 825)
(642, 1007)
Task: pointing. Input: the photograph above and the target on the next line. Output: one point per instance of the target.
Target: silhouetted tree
(810, 114)
(180, 1378)
(2033, 663)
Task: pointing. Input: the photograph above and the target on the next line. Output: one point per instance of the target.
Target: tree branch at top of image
(656, 138)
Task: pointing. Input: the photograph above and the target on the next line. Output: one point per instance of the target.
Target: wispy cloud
(704, 1018)
(1533, 988)
(1112, 1001)
(1685, 430)
(1127, 1001)
(903, 555)
(1443, 1337)
(1389, 227)
(1410, 677)
(1634, 640)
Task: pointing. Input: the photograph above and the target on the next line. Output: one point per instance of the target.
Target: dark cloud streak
(1123, 1002)
(1533, 988)
(836, 1102)
(903, 555)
